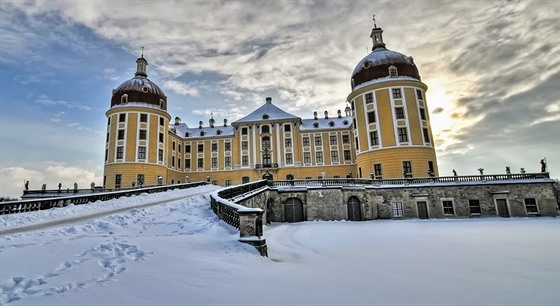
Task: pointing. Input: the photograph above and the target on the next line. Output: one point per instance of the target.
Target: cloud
(181, 88)
(44, 100)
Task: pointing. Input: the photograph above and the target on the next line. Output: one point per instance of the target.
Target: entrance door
(354, 209)
(502, 208)
(293, 210)
(422, 210)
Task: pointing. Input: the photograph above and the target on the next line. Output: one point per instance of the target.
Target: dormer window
(393, 73)
(187, 134)
(161, 104)
(265, 116)
(331, 123)
(219, 132)
(202, 133)
(345, 122)
(316, 124)
(124, 99)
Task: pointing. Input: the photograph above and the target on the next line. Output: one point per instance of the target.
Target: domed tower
(392, 130)
(137, 133)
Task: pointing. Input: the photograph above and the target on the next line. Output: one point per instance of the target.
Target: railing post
(251, 229)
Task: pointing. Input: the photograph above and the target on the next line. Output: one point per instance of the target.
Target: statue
(27, 185)
(543, 165)
(522, 170)
(454, 172)
(481, 170)
(508, 171)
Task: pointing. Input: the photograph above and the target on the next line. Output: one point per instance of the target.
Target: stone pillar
(251, 229)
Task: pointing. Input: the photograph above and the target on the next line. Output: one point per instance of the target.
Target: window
(122, 117)
(306, 141)
(245, 161)
(106, 154)
(227, 146)
(377, 171)
(244, 131)
(200, 148)
(289, 158)
(373, 138)
(160, 137)
(352, 105)
(474, 207)
(120, 151)
(142, 152)
(403, 137)
(173, 146)
(419, 94)
(318, 141)
(357, 144)
(109, 121)
(422, 114)
(214, 162)
(118, 181)
(447, 207)
(266, 142)
(397, 93)
(306, 157)
(333, 140)
(227, 162)
(187, 148)
(397, 209)
(345, 139)
(288, 143)
(214, 147)
(319, 157)
(334, 156)
(143, 117)
(431, 166)
(369, 98)
(287, 128)
(188, 163)
(245, 180)
(160, 155)
(244, 145)
(531, 206)
(347, 155)
(142, 135)
(120, 135)
(228, 183)
(399, 112)
(200, 163)
(426, 135)
(393, 72)
(172, 161)
(139, 179)
(179, 163)
(315, 124)
(407, 167)
(371, 117)
(179, 148)
(265, 129)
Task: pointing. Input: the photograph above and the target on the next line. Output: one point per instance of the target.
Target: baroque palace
(384, 133)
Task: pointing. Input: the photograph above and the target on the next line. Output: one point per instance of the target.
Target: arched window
(124, 99)
(393, 73)
(265, 129)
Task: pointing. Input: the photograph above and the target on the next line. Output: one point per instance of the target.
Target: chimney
(326, 115)
(339, 113)
(269, 100)
(211, 122)
(200, 124)
(315, 115)
(177, 120)
(225, 122)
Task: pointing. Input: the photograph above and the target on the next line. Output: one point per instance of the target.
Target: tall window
(227, 162)
(122, 117)
(403, 137)
(187, 148)
(319, 157)
(214, 147)
(287, 128)
(369, 98)
(160, 155)
(377, 171)
(161, 121)
(143, 117)
(118, 181)
(397, 209)
(333, 140)
(188, 163)
(120, 135)
(422, 114)
(108, 123)
(139, 179)
(265, 129)
(120, 151)
(334, 156)
(160, 137)
(228, 183)
(173, 146)
(347, 155)
(289, 159)
(397, 93)
(227, 146)
(245, 180)
(373, 138)
(142, 135)
(142, 152)
(447, 207)
(306, 141)
(407, 167)
(531, 206)
(426, 135)
(245, 161)
(419, 94)
(399, 112)
(244, 131)
(266, 142)
(318, 141)
(214, 162)
(474, 207)
(200, 148)
(244, 145)
(306, 157)
(345, 139)
(371, 117)
(288, 142)
(172, 161)
(200, 163)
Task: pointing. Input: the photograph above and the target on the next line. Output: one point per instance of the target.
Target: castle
(384, 133)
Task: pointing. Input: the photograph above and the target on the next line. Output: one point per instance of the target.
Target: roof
(335, 123)
(271, 111)
(206, 131)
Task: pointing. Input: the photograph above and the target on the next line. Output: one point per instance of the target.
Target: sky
(492, 70)
(179, 253)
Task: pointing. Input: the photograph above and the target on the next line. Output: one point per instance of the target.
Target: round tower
(392, 130)
(137, 133)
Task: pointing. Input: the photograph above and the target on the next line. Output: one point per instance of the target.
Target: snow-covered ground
(179, 254)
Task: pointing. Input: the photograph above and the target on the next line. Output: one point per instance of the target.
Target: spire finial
(142, 54)
(374, 24)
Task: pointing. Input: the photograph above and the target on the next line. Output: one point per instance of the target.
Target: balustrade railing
(61, 201)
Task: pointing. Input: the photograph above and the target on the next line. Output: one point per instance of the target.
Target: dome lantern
(141, 65)
(376, 36)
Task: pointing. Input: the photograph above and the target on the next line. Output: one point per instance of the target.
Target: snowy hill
(179, 253)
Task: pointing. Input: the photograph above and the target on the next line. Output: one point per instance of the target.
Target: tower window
(397, 93)
(118, 179)
(373, 138)
(142, 152)
(120, 151)
(369, 98)
(187, 148)
(371, 117)
(160, 137)
(377, 171)
(407, 167)
(161, 121)
(288, 142)
(120, 135)
(347, 155)
(426, 135)
(393, 72)
(422, 114)
(403, 136)
(214, 147)
(399, 112)
(143, 117)
(419, 94)
(160, 155)
(124, 99)
(122, 117)
(161, 103)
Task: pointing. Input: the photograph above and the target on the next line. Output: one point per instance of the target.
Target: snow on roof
(184, 131)
(385, 79)
(268, 111)
(334, 123)
(137, 104)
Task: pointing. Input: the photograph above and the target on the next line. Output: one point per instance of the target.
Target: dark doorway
(354, 209)
(422, 210)
(293, 210)
(503, 210)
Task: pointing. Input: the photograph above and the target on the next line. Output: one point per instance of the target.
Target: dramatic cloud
(181, 88)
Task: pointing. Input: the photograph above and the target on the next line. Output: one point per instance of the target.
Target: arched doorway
(293, 210)
(354, 209)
